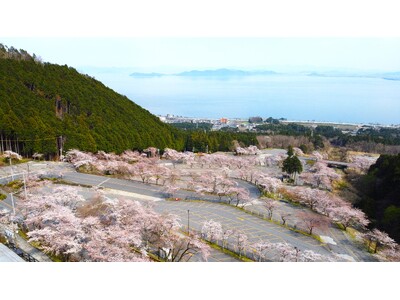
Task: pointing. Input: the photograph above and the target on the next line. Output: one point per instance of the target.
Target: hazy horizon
(111, 60)
(169, 55)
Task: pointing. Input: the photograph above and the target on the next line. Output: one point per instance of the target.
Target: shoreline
(179, 119)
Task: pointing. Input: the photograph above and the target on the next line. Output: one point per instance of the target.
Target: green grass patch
(352, 232)
(310, 162)
(53, 257)
(228, 252)
(340, 226)
(15, 184)
(23, 234)
(64, 182)
(2, 197)
(6, 162)
(274, 196)
(3, 239)
(340, 184)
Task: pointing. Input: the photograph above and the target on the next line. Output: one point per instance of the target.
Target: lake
(331, 99)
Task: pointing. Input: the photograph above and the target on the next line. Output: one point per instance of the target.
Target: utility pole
(12, 173)
(13, 221)
(60, 145)
(23, 176)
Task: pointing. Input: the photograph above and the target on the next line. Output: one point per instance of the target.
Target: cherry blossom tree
(152, 151)
(241, 163)
(60, 233)
(226, 234)
(241, 242)
(317, 155)
(284, 217)
(160, 172)
(311, 256)
(212, 230)
(11, 155)
(103, 229)
(81, 159)
(320, 175)
(241, 195)
(312, 221)
(4, 216)
(269, 205)
(268, 184)
(307, 196)
(130, 156)
(107, 156)
(144, 171)
(183, 248)
(174, 156)
(380, 239)
(362, 162)
(286, 252)
(298, 151)
(348, 216)
(251, 150)
(37, 156)
(261, 249)
(390, 254)
(275, 160)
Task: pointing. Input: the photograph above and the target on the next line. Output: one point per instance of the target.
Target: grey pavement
(255, 227)
(214, 210)
(7, 255)
(230, 217)
(344, 244)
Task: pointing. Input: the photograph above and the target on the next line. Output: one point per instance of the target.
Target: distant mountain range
(208, 73)
(237, 73)
(386, 75)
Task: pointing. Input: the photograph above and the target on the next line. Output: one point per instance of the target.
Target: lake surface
(332, 99)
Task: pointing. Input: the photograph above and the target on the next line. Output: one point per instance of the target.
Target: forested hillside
(381, 199)
(45, 106)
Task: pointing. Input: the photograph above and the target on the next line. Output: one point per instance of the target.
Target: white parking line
(133, 195)
(104, 181)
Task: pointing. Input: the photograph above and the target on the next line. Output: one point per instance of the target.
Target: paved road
(229, 216)
(7, 255)
(256, 228)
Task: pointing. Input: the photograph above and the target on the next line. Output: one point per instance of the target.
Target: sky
(171, 54)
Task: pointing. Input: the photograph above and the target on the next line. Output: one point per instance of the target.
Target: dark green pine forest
(380, 190)
(45, 107)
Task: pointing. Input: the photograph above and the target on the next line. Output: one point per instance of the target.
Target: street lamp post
(12, 173)
(188, 223)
